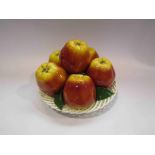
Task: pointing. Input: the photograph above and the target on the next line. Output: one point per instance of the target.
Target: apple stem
(45, 70)
(102, 62)
(78, 44)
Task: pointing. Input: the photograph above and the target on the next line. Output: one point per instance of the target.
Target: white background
(129, 44)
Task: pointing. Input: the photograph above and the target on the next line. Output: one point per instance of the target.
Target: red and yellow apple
(74, 56)
(54, 57)
(92, 54)
(102, 72)
(79, 91)
(50, 78)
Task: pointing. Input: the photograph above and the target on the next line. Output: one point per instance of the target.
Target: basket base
(95, 109)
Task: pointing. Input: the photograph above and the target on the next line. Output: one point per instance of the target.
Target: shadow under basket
(97, 106)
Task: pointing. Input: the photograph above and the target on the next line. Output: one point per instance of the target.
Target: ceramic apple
(50, 78)
(74, 56)
(54, 57)
(92, 54)
(79, 91)
(102, 72)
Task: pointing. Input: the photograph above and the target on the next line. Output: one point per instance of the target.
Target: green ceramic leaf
(102, 93)
(58, 100)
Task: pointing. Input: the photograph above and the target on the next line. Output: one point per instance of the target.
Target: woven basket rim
(98, 105)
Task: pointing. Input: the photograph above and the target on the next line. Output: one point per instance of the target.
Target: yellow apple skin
(54, 57)
(79, 91)
(92, 54)
(74, 56)
(50, 78)
(102, 72)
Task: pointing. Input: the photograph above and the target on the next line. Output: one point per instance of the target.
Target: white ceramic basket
(67, 110)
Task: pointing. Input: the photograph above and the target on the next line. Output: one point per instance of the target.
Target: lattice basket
(97, 106)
